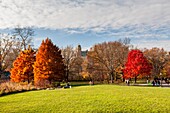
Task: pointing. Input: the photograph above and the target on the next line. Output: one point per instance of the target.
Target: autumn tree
(49, 65)
(159, 59)
(85, 74)
(68, 55)
(23, 66)
(24, 35)
(107, 57)
(166, 70)
(76, 68)
(94, 71)
(136, 65)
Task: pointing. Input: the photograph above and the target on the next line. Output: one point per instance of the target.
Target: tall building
(81, 53)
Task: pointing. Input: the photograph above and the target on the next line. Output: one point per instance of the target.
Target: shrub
(42, 83)
(7, 87)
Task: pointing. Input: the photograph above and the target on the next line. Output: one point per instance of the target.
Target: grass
(89, 99)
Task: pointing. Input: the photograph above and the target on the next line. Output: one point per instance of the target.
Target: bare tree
(76, 67)
(108, 56)
(159, 58)
(68, 54)
(24, 35)
(8, 51)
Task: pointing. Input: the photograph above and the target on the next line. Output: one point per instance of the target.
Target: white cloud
(153, 43)
(139, 19)
(95, 15)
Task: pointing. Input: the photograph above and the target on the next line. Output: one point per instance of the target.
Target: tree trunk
(135, 79)
(111, 77)
(115, 77)
(123, 79)
(28, 80)
(161, 81)
(67, 74)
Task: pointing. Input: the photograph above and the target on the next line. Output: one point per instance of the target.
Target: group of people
(127, 81)
(156, 82)
(67, 85)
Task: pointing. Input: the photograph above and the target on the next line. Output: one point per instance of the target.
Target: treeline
(107, 61)
(118, 60)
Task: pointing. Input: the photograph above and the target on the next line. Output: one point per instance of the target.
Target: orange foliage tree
(49, 65)
(23, 66)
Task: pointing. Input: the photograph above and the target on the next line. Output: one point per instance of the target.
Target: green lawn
(85, 99)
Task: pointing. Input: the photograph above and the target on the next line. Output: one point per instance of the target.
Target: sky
(88, 22)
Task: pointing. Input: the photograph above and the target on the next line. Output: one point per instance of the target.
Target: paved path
(163, 85)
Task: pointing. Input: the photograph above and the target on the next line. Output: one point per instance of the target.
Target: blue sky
(87, 22)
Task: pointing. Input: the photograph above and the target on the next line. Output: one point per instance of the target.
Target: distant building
(81, 53)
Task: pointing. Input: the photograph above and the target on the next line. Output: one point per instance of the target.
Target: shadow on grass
(77, 85)
(16, 92)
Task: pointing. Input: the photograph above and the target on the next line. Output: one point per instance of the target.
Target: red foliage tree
(23, 66)
(49, 65)
(136, 65)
